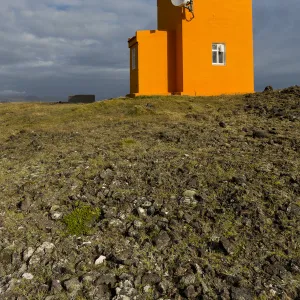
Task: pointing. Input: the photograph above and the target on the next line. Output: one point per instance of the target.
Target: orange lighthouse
(201, 47)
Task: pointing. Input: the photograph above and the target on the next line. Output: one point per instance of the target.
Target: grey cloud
(62, 47)
(10, 93)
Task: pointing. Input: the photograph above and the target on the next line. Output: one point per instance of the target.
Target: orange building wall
(178, 57)
(216, 21)
(155, 72)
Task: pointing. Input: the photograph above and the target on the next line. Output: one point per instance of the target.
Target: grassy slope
(157, 148)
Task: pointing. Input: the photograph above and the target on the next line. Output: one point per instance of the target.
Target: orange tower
(209, 52)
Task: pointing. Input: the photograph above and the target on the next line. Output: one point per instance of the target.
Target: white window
(218, 54)
(133, 58)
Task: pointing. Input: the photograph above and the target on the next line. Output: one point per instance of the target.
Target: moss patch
(81, 220)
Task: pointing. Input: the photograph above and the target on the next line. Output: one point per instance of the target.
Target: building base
(134, 95)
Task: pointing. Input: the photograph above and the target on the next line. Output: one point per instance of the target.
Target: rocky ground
(152, 198)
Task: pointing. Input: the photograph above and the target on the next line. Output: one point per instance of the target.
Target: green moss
(81, 219)
(128, 141)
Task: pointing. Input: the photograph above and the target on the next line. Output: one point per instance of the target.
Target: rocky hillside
(151, 198)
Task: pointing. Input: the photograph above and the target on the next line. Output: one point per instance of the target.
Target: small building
(82, 99)
(209, 52)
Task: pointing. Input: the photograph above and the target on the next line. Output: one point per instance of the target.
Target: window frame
(217, 51)
(133, 58)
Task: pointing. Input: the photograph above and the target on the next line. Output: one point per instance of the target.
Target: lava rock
(222, 124)
(268, 88)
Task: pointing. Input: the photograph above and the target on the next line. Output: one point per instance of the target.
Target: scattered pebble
(27, 276)
(100, 260)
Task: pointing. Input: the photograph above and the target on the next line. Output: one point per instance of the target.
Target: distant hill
(32, 98)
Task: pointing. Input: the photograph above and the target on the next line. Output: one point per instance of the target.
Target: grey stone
(121, 297)
(241, 294)
(34, 259)
(150, 278)
(162, 287)
(151, 210)
(190, 292)
(294, 210)
(24, 205)
(188, 279)
(162, 240)
(100, 292)
(87, 279)
(55, 286)
(108, 279)
(107, 174)
(126, 289)
(137, 224)
(227, 245)
(189, 194)
(72, 285)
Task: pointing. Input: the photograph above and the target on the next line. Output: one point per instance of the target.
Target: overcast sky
(64, 47)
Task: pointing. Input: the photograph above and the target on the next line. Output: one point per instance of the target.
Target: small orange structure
(209, 52)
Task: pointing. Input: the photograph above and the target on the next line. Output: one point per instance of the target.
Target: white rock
(146, 204)
(121, 297)
(141, 212)
(34, 259)
(86, 243)
(100, 260)
(137, 224)
(115, 223)
(23, 268)
(186, 201)
(28, 253)
(147, 288)
(45, 247)
(27, 276)
(56, 215)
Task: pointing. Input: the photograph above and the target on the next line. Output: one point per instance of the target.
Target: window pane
(215, 46)
(221, 58)
(133, 59)
(214, 57)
